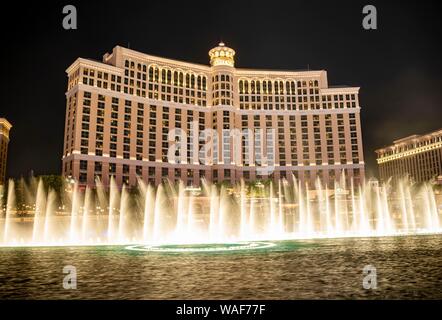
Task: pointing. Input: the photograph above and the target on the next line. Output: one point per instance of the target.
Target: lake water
(408, 267)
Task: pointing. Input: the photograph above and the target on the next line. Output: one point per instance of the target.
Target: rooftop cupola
(222, 56)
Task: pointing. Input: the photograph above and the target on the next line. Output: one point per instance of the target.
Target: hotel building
(417, 156)
(120, 111)
(5, 126)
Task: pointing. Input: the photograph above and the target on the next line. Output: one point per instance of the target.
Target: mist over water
(175, 214)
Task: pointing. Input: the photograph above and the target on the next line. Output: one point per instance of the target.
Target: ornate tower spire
(222, 56)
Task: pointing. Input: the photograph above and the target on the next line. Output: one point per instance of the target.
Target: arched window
(175, 78)
(252, 86)
(181, 79)
(151, 70)
(187, 80)
(275, 86)
(163, 76)
(246, 87)
(192, 81)
(198, 82)
(270, 87)
(204, 83)
(157, 74)
(258, 87)
(241, 86)
(169, 77)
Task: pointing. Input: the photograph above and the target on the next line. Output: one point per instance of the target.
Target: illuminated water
(407, 267)
(175, 214)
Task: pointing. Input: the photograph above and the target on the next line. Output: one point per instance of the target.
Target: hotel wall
(419, 157)
(318, 130)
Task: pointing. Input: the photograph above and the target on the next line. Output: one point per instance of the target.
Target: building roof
(411, 139)
(5, 123)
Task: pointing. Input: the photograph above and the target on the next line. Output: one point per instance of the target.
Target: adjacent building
(416, 156)
(120, 113)
(5, 127)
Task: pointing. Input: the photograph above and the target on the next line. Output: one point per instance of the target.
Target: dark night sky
(398, 66)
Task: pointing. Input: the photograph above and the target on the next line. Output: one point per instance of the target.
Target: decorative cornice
(95, 64)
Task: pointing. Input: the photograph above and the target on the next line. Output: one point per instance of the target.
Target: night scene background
(397, 66)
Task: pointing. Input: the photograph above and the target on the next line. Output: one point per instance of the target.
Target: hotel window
(83, 165)
(98, 166)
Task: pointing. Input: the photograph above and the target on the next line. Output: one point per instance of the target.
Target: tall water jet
(273, 217)
(410, 206)
(102, 202)
(190, 217)
(85, 218)
(354, 219)
(338, 223)
(40, 203)
(157, 222)
(214, 214)
(252, 218)
(321, 206)
(281, 228)
(435, 221)
(389, 224)
(295, 204)
(403, 203)
(49, 216)
(344, 210)
(124, 206)
(309, 227)
(328, 218)
(430, 208)
(364, 224)
(181, 210)
(243, 209)
(222, 215)
(75, 207)
(113, 205)
(302, 215)
(380, 213)
(149, 207)
(10, 206)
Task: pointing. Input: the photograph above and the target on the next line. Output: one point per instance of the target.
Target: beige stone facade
(120, 112)
(416, 156)
(5, 127)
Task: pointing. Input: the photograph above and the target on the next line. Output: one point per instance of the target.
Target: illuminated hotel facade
(416, 156)
(5, 127)
(120, 111)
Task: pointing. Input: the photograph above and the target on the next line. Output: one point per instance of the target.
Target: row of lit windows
(276, 87)
(188, 175)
